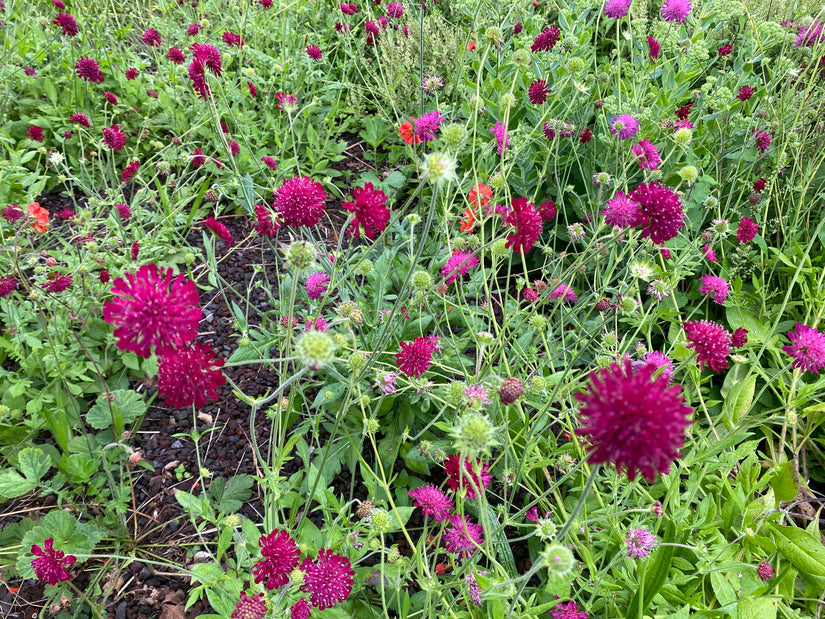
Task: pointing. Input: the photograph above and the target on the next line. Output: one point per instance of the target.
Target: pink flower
(462, 537)
(464, 477)
(131, 73)
(528, 223)
(675, 10)
(620, 211)
(286, 100)
(763, 141)
(270, 162)
(659, 360)
(175, 55)
(314, 52)
(190, 375)
(7, 286)
(135, 250)
(250, 607)
(80, 118)
(370, 211)
(625, 126)
(328, 579)
(300, 201)
(547, 210)
(570, 610)
(809, 35)
(660, 215)
(266, 223)
(230, 38)
(427, 125)
(319, 324)
(395, 10)
(739, 338)
(807, 348)
(152, 309)
(348, 8)
(49, 564)
(715, 287)
(252, 90)
(114, 137)
(538, 91)
(458, 264)
(416, 357)
(711, 342)
(502, 137)
(725, 50)
(280, 554)
(267, 4)
(35, 133)
(547, 40)
(707, 250)
(57, 282)
(745, 93)
(616, 9)
(151, 37)
(129, 171)
(564, 293)
(218, 228)
(204, 57)
(123, 211)
(193, 29)
(639, 542)
(653, 48)
(432, 501)
(633, 420)
(316, 285)
(67, 23)
(301, 609)
(647, 155)
(765, 571)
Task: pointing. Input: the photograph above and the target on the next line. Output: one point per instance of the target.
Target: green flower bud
(492, 36)
(356, 362)
(689, 174)
(351, 311)
(711, 202)
(455, 392)
(413, 218)
(558, 559)
(189, 257)
(499, 248)
(421, 280)
(610, 340)
(683, 136)
(453, 135)
(393, 555)
(371, 426)
(315, 349)
(300, 255)
(538, 321)
(575, 64)
(508, 100)
(440, 168)
(364, 268)
(473, 434)
(521, 58)
(296, 577)
(374, 544)
(232, 520)
(485, 338)
(546, 529)
(380, 521)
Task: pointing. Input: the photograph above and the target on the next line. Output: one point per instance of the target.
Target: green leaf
(805, 552)
(130, 360)
(230, 495)
(80, 467)
(69, 535)
(126, 407)
(12, 485)
(656, 572)
(739, 400)
(33, 463)
(195, 505)
(784, 482)
(756, 608)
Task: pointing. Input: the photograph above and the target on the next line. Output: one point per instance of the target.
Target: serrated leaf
(80, 467)
(125, 408)
(784, 482)
(69, 535)
(803, 550)
(12, 485)
(230, 495)
(756, 608)
(33, 463)
(195, 505)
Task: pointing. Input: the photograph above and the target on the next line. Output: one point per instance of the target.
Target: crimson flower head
(204, 57)
(301, 609)
(660, 215)
(151, 37)
(110, 97)
(314, 52)
(502, 137)
(547, 40)
(458, 265)
(129, 171)
(616, 9)
(570, 610)
(35, 133)
(153, 309)
(300, 201)
(427, 126)
(715, 287)
(67, 23)
(432, 501)
(89, 70)
(620, 211)
(763, 141)
(547, 210)
(114, 137)
(528, 223)
(765, 571)
(49, 564)
(230, 38)
(328, 579)
(464, 476)
(266, 221)
(270, 162)
(747, 230)
(193, 29)
(653, 48)
(250, 607)
(252, 90)
(745, 93)
(57, 282)
(711, 342)
(739, 337)
(190, 375)
(175, 55)
(416, 357)
(80, 118)
(538, 91)
(219, 228)
(647, 155)
(280, 554)
(462, 537)
(370, 212)
(7, 286)
(807, 348)
(267, 4)
(633, 420)
(725, 50)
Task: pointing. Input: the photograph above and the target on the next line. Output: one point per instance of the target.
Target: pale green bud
(315, 349)
(558, 559)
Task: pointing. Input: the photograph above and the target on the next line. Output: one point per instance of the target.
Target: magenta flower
(458, 264)
(739, 338)
(708, 252)
(328, 579)
(314, 52)
(653, 48)
(266, 221)
(538, 91)
(809, 35)
(270, 162)
(547, 210)
(633, 420)
(547, 40)
(715, 287)
(675, 10)
(175, 55)
(659, 360)
(660, 215)
(131, 73)
(7, 286)
(464, 477)
(300, 201)
(763, 141)
(415, 357)
(395, 10)
(647, 155)
(765, 571)
(807, 348)
(528, 223)
(218, 228)
(300, 610)
(250, 607)
(280, 554)
(620, 211)
(625, 126)
(639, 542)
(67, 23)
(57, 282)
(462, 537)
(432, 501)
(316, 285)
(427, 126)
(89, 70)
(370, 211)
(130, 170)
(152, 309)
(230, 38)
(80, 118)
(616, 9)
(711, 342)
(502, 137)
(35, 133)
(151, 37)
(49, 564)
(570, 610)
(564, 293)
(114, 137)
(190, 375)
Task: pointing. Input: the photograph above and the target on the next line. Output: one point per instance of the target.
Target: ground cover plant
(385, 309)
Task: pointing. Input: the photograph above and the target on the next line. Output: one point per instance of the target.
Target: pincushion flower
(616, 9)
(328, 579)
(370, 211)
(747, 230)
(547, 40)
(114, 137)
(395, 10)
(300, 201)
(153, 309)
(807, 348)
(35, 133)
(80, 118)
(570, 610)
(464, 477)
(266, 223)
(301, 609)
(714, 287)
(624, 125)
(230, 38)
(528, 223)
(57, 282)
(739, 337)
(89, 70)
(316, 285)
(620, 211)
(660, 215)
(763, 141)
(175, 55)
(502, 137)
(151, 37)
(280, 557)
(711, 342)
(49, 564)
(67, 23)
(462, 537)
(538, 91)
(564, 293)
(547, 210)
(659, 360)
(633, 420)
(765, 571)
(809, 35)
(270, 162)
(218, 228)
(745, 93)
(458, 265)
(675, 10)
(415, 357)
(432, 501)
(427, 126)
(653, 48)
(190, 375)
(123, 211)
(130, 170)
(247, 607)
(7, 286)
(647, 155)
(639, 542)
(38, 217)
(204, 57)
(725, 50)
(314, 52)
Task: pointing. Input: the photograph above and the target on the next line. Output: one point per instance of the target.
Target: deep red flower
(301, 609)
(538, 91)
(711, 342)
(747, 230)
(230, 38)
(49, 564)
(416, 357)
(328, 579)
(300, 201)
(153, 309)
(103, 276)
(204, 57)
(131, 73)
(314, 52)
(745, 93)
(11, 213)
(198, 158)
(218, 228)
(123, 211)
(252, 90)
(234, 148)
(35, 133)
(653, 48)
(193, 29)
(80, 118)
(370, 211)
(739, 338)
(759, 185)
(432, 501)
(763, 141)
(190, 375)
(110, 97)
(57, 282)
(175, 55)
(547, 40)
(528, 223)
(114, 137)
(7, 286)
(585, 136)
(683, 111)
(135, 250)
(29, 71)
(129, 171)
(250, 607)
(266, 223)
(715, 287)
(67, 23)
(633, 420)
(58, 4)
(270, 162)
(467, 478)
(726, 49)
(267, 4)
(280, 554)
(462, 537)
(458, 265)
(765, 571)
(547, 210)
(151, 37)
(660, 215)
(807, 348)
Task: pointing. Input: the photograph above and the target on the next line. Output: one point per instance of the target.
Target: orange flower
(406, 131)
(480, 195)
(40, 220)
(469, 220)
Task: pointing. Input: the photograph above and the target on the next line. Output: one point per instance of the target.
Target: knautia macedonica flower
(765, 571)
(462, 537)
(49, 564)
(250, 607)
(266, 222)
(653, 48)
(660, 215)
(7, 286)
(57, 282)
(633, 420)
(370, 211)
(316, 285)
(204, 57)
(35, 133)
(547, 40)
(175, 55)
(647, 155)
(502, 137)
(314, 52)
(675, 10)
(89, 70)
(218, 228)
(300, 201)
(151, 37)
(190, 375)
(280, 554)
(565, 293)
(114, 137)
(432, 501)
(235, 40)
(616, 9)
(620, 211)
(416, 357)
(714, 287)
(458, 264)
(570, 610)
(328, 579)
(807, 348)
(639, 542)
(67, 23)
(763, 141)
(809, 35)
(80, 118)
(659, 360)
(528, 223)
(747, 230)
(427, 126)
(129, 171)
(153, 309)
(395, 10)
(464, 477)
(624, 126)
(711, 343)
(739, 338)
(300, 610)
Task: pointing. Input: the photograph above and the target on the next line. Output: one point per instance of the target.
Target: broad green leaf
(80, 467)
(33, 463)
(756, 608)
(803, 550)
(12, 485)
(739, 400)
(125, 408)
(229, 495)
(784, 482)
